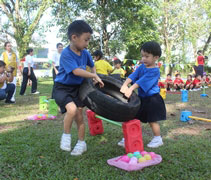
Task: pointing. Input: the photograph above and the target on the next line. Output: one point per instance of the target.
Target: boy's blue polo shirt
(70, 61)
(147, 79)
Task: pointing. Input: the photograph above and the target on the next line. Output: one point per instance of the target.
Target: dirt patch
(189, 130)
(5, 128)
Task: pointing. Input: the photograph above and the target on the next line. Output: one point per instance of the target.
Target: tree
(23, 20)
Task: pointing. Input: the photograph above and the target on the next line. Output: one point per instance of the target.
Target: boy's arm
(3, 78)
(130, 90)
(86, 74)
(124, 87)
(93, 69)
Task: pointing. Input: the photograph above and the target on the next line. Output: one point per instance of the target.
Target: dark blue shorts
(152, 109)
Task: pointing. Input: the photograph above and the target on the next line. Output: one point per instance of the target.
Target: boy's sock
(81, 142)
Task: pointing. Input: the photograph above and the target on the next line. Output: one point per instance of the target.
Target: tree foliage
(23, 20)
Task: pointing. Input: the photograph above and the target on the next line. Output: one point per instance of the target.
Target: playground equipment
(184, 96)
(163, 93)
(204, 94)
(49, 105)
(132, 131)
(187, 115)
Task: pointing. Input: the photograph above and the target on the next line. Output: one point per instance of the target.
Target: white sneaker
(79, 149)
(121, 143)
(65, 143)
(37, 92)
(155, 142)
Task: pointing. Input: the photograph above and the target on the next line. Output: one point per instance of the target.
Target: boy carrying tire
(72, 71)
(145, 78)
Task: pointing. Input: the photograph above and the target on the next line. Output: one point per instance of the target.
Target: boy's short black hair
(152, 47)
(59, 44)
(78, 27)
(98, 53)
(2, 64)
(168, 74)
(117, 61)
(199, 51)
(28, 51)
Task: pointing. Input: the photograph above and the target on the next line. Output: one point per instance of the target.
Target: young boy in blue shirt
(72, 71)
(145, 78)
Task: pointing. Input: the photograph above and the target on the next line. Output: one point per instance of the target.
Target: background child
(169, 82)
(208, 79)
(145, 78)
(200, 62)
(102, 66)
(161, 84)
(118, 72)
(56, 63)
(178, 82)
(197, 82)
(10, 59)
(72, 71)
(188, 84)
(28, 73)
(6, 90)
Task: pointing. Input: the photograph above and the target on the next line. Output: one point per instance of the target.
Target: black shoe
(9, 102)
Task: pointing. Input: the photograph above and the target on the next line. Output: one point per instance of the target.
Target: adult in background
(11, 60)
(200, 62)
(28, 73)
(56, 62)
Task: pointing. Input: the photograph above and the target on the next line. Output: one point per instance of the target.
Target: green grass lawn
(30, 150)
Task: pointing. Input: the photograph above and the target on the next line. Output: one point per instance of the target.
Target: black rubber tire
(108, 101)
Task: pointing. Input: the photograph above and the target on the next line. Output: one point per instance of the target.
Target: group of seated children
(190, 84)
(103, 67)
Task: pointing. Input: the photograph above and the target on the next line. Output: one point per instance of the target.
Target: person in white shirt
(6, 89)
(28, 73)
(56, 62)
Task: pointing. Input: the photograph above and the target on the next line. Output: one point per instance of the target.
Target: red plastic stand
(133, 136)
(95, 124)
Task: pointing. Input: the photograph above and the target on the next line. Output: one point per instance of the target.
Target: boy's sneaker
(36, 92)
(155, 142)
(79, 149)
(122, 142)
(65, 143)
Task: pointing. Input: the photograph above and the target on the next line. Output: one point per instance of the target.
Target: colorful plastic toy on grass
(130, 162)
(41, 117)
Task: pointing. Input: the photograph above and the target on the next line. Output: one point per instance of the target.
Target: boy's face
(178, 76)
(96, 58)
(117, 66)
(198, 77)
(168, 77)
(148, 59)
(60, 48)
(189, 77)
(2, 69)
(81, 42)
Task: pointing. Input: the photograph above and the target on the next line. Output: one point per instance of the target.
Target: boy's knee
(71, 108)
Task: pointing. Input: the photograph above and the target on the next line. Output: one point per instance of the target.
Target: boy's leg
(68, 120)
(157, 139)
(2, 94)
(10, 91)
(80, 147)
(34, 81)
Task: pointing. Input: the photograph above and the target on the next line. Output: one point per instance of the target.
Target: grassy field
(30, 150)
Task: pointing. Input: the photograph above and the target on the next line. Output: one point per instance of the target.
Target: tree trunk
(207, 43)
